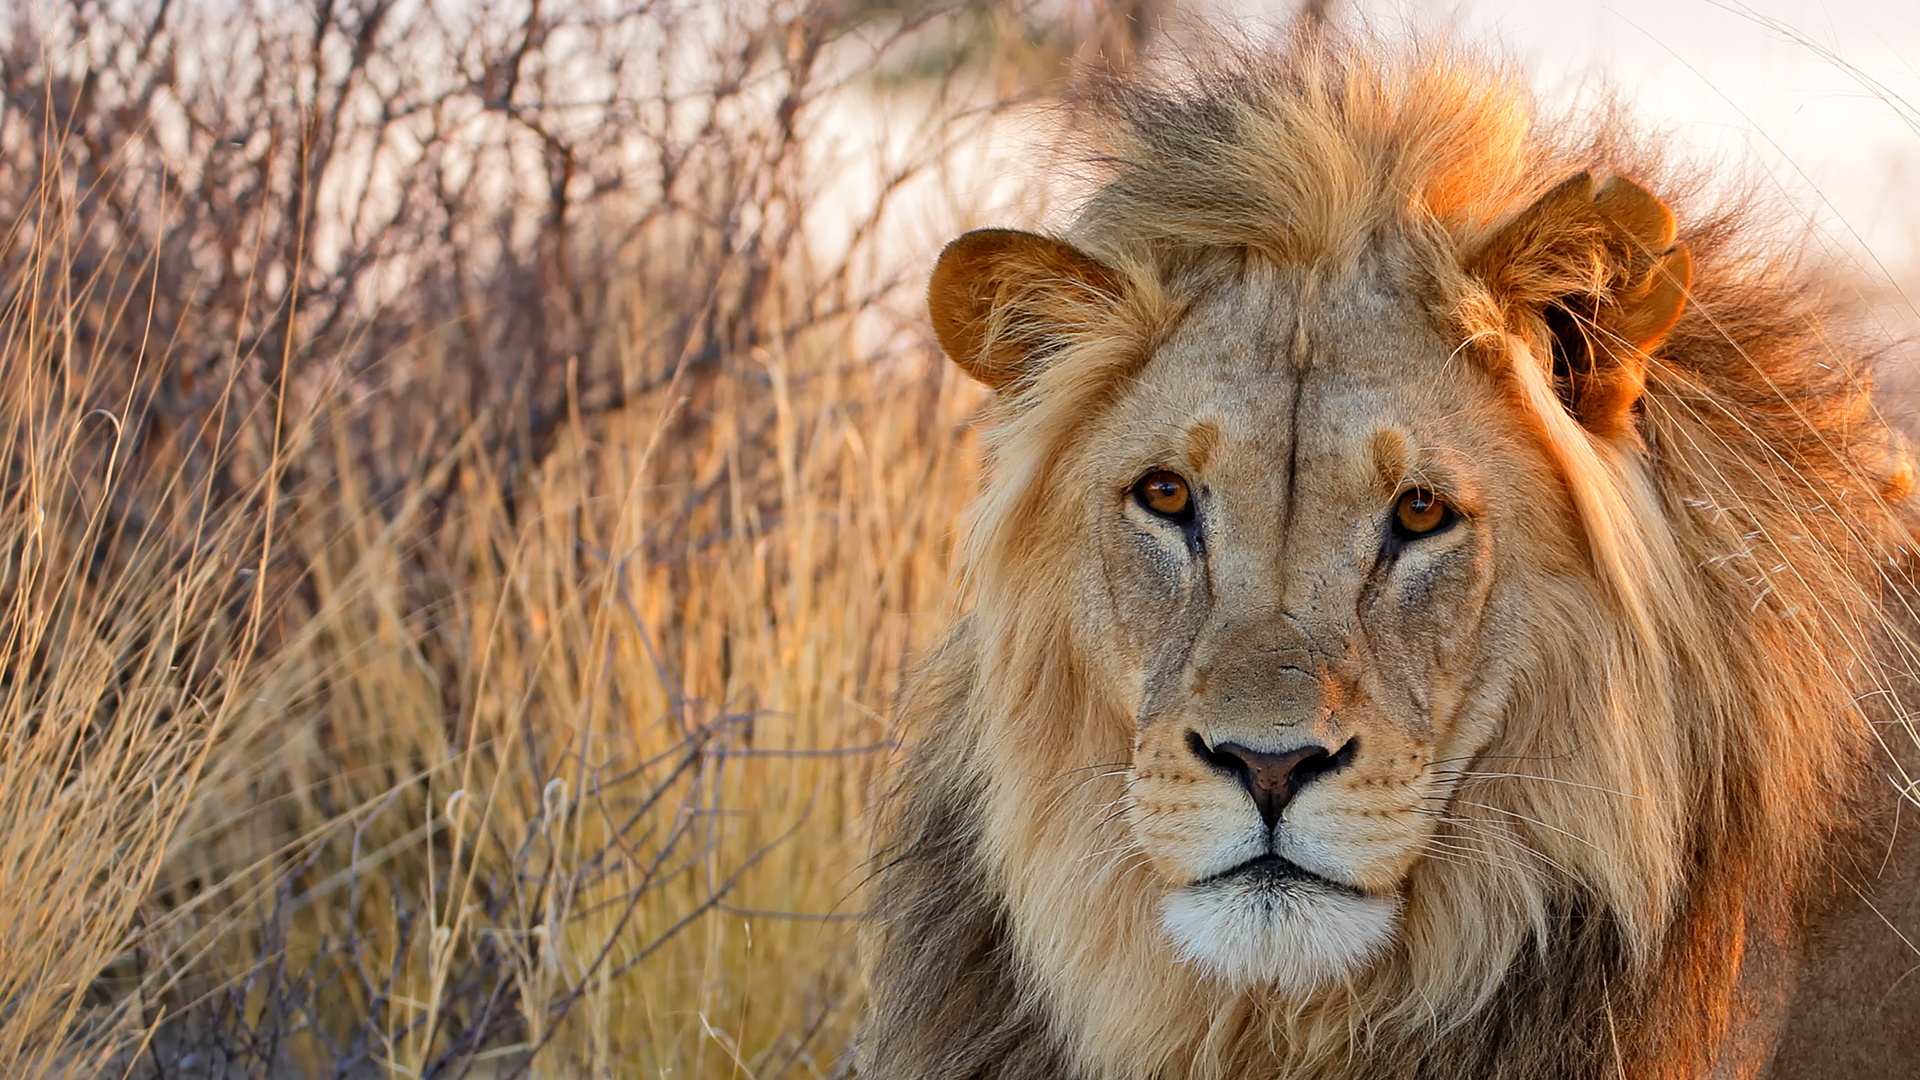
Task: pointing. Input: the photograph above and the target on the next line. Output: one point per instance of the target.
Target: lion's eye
(1164, 493)
(1420, 512)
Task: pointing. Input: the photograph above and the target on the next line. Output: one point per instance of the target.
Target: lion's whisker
(1475, 775)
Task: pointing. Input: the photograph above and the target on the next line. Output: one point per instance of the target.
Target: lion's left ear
(1003, 300)
(1595, 269)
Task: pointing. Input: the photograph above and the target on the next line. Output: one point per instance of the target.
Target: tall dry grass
(473, 483)
(128, 646)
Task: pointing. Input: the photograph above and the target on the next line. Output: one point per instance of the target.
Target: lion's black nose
(1273, 779)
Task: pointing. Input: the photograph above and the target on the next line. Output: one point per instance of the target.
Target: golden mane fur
(1663, 796)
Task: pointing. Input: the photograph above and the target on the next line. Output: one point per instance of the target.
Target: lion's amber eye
(1164, 493)
(1420, 512)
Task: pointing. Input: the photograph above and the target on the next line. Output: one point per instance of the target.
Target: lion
(1437, 609)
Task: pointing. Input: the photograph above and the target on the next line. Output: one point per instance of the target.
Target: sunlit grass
(463, 653)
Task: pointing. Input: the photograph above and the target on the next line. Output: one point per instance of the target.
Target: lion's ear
(1595, 269)
(1001, 298)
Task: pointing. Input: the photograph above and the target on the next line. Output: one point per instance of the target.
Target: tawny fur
(1727, 523)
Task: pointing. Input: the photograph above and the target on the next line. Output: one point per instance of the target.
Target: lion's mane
(1692, 759)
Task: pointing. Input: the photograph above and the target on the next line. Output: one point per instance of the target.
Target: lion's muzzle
(1272, 779)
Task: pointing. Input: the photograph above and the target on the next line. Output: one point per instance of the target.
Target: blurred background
(1818, 99)
(474, 478)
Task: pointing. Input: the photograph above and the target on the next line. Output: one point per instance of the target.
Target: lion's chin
(1288, 932)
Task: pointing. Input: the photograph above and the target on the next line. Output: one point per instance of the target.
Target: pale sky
(1728, 85)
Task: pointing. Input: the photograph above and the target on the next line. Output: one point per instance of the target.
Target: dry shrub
(473, 480)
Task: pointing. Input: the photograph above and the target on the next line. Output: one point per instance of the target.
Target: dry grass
(473, 481)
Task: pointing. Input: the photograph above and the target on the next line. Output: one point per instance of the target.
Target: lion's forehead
(1268, 368)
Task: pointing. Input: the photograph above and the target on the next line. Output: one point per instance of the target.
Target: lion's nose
(1273, 779)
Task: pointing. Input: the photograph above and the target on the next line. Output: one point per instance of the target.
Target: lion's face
(1296, 537)
(1306, 554)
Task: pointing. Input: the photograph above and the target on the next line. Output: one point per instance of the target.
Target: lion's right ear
(1002, 300)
